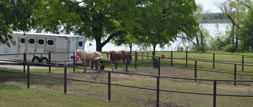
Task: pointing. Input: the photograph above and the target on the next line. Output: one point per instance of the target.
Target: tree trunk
(197, 40)
(237, 44)
(236, 41)
(202, 42)
(131, 47)
(154, 51)
(99, 45)
(233, 35)
(99, 48)
(98, 30)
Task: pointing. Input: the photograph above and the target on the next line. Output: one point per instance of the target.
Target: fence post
(195, 70)
(242, 63)
(109, 86)
(116, 65)
(159, 66)
(91, 64)
(24, 62)
(49, 62)
(186, 58)
(213, 60)
(28, 76)
(126, 66)
(157, 91)
(171, 58)
(136, 58)
(74, 62)
(65, 80)
(214, 92)
(235, 69)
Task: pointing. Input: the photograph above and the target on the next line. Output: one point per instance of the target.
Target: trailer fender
(44, 60)
(36, 59)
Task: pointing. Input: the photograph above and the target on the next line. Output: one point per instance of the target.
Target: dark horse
(114, 56)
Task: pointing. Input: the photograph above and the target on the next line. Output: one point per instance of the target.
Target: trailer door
(80, 43)
(50, 45)
(21, 43)
(40, 45)
(21, 47)
(31, 45)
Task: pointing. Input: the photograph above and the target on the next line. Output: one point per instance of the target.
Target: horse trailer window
(80, 44)
(22, 40)
(41, 41)
(50, 42)
(31, 41)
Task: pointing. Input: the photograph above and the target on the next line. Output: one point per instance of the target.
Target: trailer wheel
(44, 60)
(36, 59)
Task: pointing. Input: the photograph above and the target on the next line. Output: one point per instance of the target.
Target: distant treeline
(214, 18)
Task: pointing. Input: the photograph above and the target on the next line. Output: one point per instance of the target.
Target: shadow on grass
(8, 75)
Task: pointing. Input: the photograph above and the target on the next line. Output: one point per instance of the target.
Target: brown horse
(118, 55)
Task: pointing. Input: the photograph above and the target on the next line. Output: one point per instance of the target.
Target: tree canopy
(246, 32)
(15, 15)
(239, 13)
(161, 22)
(149, 22)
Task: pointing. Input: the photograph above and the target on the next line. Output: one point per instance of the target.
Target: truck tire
(44, 60)
(36, 59)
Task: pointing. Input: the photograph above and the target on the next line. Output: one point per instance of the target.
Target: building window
(41, 41)
(31, 41)
(22, 40)
(80, 44)
(50, 42)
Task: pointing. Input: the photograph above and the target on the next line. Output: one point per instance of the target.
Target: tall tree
(200, 37)
(131, 16)
(162, 21)
(236, 10)
(246, 32)
(155, 21)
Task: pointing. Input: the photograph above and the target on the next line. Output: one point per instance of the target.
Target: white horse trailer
(37, 47)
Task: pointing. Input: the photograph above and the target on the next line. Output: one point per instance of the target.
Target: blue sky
(210, 5)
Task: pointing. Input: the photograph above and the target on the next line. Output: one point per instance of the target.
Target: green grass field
(221, 58)
(45, 89)
(16, 95)
(48, 92)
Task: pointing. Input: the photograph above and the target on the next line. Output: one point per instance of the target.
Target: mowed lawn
(48, 92)
(13, 92)
(224, 61)
(16, 95)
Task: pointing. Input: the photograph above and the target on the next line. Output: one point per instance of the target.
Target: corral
(177, 81)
